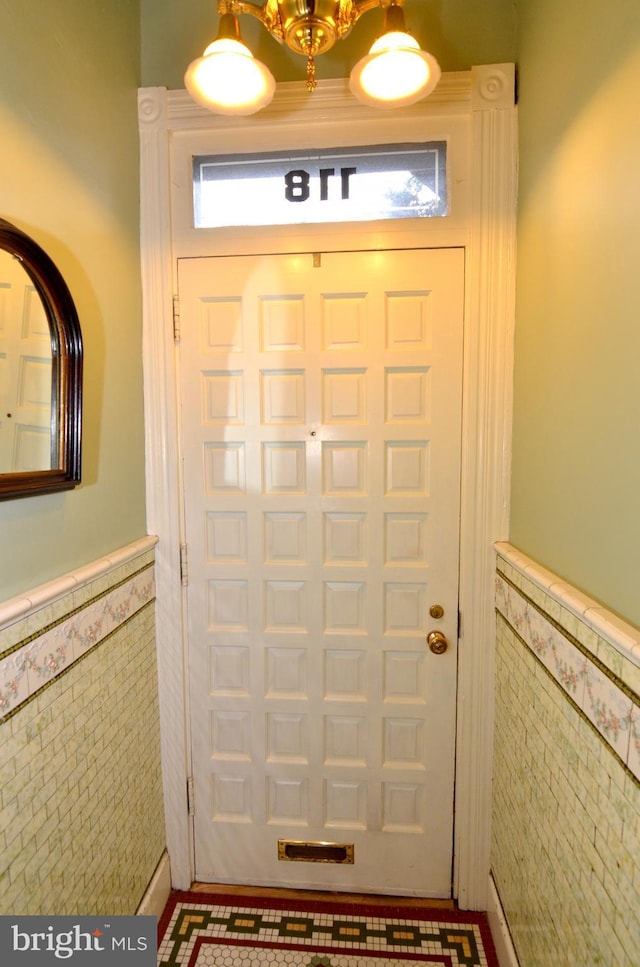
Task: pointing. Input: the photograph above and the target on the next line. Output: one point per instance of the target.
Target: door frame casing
(484, 98)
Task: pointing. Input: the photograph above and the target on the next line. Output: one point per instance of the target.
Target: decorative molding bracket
(493, 87)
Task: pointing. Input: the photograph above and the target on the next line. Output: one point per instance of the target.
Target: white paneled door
(321, 408)
(25, 373)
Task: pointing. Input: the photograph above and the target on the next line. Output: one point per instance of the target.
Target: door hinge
(184, 565)
(177, 332)
(191, 804)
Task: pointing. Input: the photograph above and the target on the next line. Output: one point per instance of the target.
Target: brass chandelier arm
(363, 6)
(267, 13)
(242, 6)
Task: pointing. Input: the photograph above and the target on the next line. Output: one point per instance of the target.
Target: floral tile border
(608, 702)
(634, 745)
(34, 662)
(615, 642)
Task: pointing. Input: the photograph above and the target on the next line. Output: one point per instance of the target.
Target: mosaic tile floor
(198, 930)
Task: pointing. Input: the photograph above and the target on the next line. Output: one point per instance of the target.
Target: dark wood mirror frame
(66, 371)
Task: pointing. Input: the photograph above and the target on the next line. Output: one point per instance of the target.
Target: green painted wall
(69, 73)
(576, 459)
(459, 33)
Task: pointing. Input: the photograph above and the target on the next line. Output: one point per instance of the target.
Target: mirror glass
(40, 372)
(25, 373)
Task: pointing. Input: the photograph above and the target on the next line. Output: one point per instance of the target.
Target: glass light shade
(228, 79)
(395, 72)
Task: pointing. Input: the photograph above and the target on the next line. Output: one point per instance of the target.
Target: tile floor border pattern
(612, 708)
(30, 665)
(442, 937)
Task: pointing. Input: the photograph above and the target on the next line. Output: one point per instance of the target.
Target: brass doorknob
(437, 642)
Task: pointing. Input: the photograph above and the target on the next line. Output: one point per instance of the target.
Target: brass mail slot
(291, 851)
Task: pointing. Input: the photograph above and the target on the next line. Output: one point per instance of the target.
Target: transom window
(318, 186)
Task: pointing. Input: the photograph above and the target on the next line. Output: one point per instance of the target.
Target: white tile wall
(81, 816)
(566, 811)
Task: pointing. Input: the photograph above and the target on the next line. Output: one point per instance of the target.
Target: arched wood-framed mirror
(40, 372)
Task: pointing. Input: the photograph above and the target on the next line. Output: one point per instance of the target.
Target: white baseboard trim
(155, 899)
(505, 950)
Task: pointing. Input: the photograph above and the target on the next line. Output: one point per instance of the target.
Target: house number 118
(297, 184)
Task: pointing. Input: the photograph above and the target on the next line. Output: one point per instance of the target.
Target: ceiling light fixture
(227, 79)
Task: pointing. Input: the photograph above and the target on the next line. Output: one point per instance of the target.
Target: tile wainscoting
(566, 811)
(81, 814)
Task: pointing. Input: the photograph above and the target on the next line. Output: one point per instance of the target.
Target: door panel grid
(321, 439)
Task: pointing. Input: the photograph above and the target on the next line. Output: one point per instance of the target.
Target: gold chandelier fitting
(229, 80)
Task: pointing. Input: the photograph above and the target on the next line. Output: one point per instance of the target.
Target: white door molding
(481, 104)
(486, 458)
